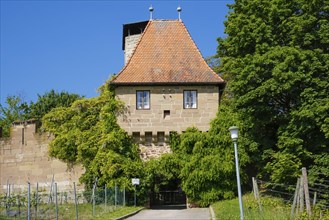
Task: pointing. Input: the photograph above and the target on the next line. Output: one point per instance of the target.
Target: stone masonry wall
(130, 44)
(24, 157)
(169, 99)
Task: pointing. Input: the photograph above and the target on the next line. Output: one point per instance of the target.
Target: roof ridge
(166, 20)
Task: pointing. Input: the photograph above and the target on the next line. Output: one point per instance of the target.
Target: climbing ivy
(87, 133)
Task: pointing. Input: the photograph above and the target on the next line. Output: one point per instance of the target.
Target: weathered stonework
(167, 98)
(130, 44)
(154, 151)
(24, 157)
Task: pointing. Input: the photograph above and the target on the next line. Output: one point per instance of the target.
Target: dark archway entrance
(165, 184)
(169, 196)
(168, 199)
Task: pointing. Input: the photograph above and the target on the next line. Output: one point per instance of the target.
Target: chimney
(131, 35)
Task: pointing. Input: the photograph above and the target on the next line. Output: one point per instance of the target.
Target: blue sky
(75, 46)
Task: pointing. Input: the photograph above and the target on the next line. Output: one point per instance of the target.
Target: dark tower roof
(131, 29)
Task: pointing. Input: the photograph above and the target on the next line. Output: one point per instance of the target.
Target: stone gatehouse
(165, 84)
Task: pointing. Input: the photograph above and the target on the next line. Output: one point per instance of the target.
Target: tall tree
(18, 110)
(276, 59)
(206, 160)
(50, 100)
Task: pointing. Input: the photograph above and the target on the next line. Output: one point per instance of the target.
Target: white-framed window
(143, 99)
(190, 99)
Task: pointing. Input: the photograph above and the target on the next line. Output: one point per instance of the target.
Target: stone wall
(153, 151)
(24, 157)
(130, 44)
(167, 98)
(164, 100)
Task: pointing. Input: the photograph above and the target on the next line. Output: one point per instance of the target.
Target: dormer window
(190, 99)
(142, 99)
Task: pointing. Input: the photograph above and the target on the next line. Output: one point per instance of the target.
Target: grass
(67, 212)
(272, 208)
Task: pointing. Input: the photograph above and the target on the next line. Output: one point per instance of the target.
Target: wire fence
(39, 203)
(313, 195)
(319, 192)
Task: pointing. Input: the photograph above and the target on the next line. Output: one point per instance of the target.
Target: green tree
(207, 159)
(87, 133)
(276, 61)
(208, 171)
(14, 110)
(18, 110)
(50, 100)
(162, 173)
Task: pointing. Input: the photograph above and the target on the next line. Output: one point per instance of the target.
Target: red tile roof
(166, 54)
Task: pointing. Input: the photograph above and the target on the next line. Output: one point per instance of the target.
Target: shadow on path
(167, 207)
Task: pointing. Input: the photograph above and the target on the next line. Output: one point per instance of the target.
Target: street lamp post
(234, 136)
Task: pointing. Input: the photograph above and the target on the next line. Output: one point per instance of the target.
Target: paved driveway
(195, 213)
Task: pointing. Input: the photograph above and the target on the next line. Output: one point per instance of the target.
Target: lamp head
(234, 132)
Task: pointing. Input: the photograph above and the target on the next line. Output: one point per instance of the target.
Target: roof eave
(165, 83)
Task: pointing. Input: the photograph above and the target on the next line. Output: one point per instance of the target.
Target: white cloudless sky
(75, 46)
